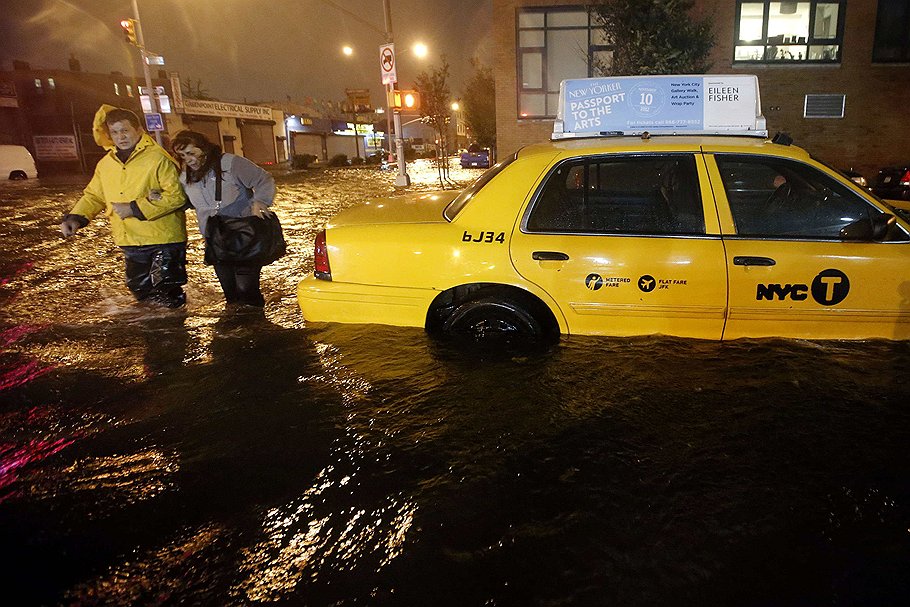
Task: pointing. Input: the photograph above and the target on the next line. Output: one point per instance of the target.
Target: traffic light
(405, 100)
(129, 30)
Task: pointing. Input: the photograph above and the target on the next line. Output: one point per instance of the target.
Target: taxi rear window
(647, 194)
(466, 195)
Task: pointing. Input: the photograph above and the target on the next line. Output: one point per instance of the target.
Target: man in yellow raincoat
(150, 232)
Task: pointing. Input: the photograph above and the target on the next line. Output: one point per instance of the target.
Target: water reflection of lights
(299, 540)
(149, 579)
(298, 543)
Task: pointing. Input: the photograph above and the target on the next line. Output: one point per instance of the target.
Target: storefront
(251, 131)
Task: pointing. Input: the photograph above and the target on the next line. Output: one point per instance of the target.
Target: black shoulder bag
(242, 240)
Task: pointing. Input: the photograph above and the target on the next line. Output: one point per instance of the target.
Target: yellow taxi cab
(709, 231)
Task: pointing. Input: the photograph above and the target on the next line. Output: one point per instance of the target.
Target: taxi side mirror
(869, 229)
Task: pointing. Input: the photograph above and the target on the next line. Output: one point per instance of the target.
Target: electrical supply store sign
(633, 104)
(255, 125)
(226, 110)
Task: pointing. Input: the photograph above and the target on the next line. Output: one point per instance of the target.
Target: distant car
(475, 157)
(893, 182)
(16, 163)
(856, 178)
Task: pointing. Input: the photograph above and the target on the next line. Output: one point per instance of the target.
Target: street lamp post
(143, 57)
(403, 179)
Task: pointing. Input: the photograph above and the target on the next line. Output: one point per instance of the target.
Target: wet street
(200, 457)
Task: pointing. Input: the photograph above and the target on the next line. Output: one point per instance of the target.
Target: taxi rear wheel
(492, 316)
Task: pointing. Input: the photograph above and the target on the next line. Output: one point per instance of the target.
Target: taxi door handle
(745, 260)
(549, 256)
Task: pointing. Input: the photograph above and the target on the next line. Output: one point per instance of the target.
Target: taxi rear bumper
(324, 301)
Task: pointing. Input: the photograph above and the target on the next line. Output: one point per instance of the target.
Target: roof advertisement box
(631, 105)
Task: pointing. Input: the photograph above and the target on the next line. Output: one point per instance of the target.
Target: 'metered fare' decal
(484, 237)
(646, 283)
(829, 288)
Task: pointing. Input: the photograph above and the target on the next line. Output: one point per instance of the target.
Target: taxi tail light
(321, 268)
(905, 180)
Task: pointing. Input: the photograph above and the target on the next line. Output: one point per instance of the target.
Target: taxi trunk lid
(426, 207)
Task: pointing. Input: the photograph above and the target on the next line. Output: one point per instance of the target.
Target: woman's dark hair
(212, 153)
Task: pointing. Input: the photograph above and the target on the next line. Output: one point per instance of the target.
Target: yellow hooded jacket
(148, 168)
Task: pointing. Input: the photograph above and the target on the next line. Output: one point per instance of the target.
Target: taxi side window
(648, 195)
(772, 197)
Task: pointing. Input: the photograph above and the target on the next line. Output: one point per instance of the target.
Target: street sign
(359, 101)
(154, 122)
(387, 67)
(152, 59)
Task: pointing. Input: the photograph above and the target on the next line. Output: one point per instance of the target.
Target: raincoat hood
(99, 128)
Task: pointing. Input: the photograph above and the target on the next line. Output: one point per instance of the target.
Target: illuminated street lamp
(347, 50)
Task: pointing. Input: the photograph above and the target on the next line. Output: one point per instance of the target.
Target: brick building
(51, 113)
(834, 75)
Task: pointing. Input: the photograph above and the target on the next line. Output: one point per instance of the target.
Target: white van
(16, 163)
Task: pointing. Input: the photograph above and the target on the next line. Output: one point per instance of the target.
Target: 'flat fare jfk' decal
(484, 237)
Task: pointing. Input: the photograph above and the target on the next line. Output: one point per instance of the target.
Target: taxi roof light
(661, 105)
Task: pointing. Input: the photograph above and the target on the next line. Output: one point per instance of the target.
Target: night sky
(250, 50)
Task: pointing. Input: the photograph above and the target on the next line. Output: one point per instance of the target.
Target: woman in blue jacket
(246, 189)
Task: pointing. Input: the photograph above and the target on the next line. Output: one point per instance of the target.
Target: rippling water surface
(207, 458)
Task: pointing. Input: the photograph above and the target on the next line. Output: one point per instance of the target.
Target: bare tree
(480, 105)
(435, 105)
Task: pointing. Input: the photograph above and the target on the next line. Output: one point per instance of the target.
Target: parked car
(856, 177)
(709, 236)
(16, 162)
(475, 157)
(893, 183)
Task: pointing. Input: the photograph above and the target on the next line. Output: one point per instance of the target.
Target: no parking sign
(387, 66)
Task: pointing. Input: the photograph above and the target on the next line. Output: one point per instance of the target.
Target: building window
(51, 84)
(778, 32)
(892, 32)
(554, 44)
(116, 89)
(129, 90)
(38, 83)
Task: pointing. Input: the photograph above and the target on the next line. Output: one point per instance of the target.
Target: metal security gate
(308, 143)
(257, 141)
(209, 128)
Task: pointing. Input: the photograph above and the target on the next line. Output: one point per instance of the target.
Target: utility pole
(403, 178)
(143, 57)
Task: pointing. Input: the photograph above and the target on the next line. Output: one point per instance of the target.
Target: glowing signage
(631, 105)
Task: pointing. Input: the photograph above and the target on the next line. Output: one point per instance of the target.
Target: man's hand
(69, 226)
(123, 209)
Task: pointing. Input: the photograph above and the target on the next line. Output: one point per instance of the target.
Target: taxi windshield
(467, 194)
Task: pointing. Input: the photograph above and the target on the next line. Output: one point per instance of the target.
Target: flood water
(209, 458)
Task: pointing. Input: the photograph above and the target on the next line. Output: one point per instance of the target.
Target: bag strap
(218, 185)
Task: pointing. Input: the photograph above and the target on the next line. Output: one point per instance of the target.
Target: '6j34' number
(484, 237)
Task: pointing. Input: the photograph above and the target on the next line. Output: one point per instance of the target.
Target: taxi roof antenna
(782, 138)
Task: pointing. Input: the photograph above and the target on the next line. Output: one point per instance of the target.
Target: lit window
(51, 84)
(116, 89)
(774, 32)
(555, 44)
(129, 90)
(892, 32)
(37, 83)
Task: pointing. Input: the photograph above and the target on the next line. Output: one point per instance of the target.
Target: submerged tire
(493, 317)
